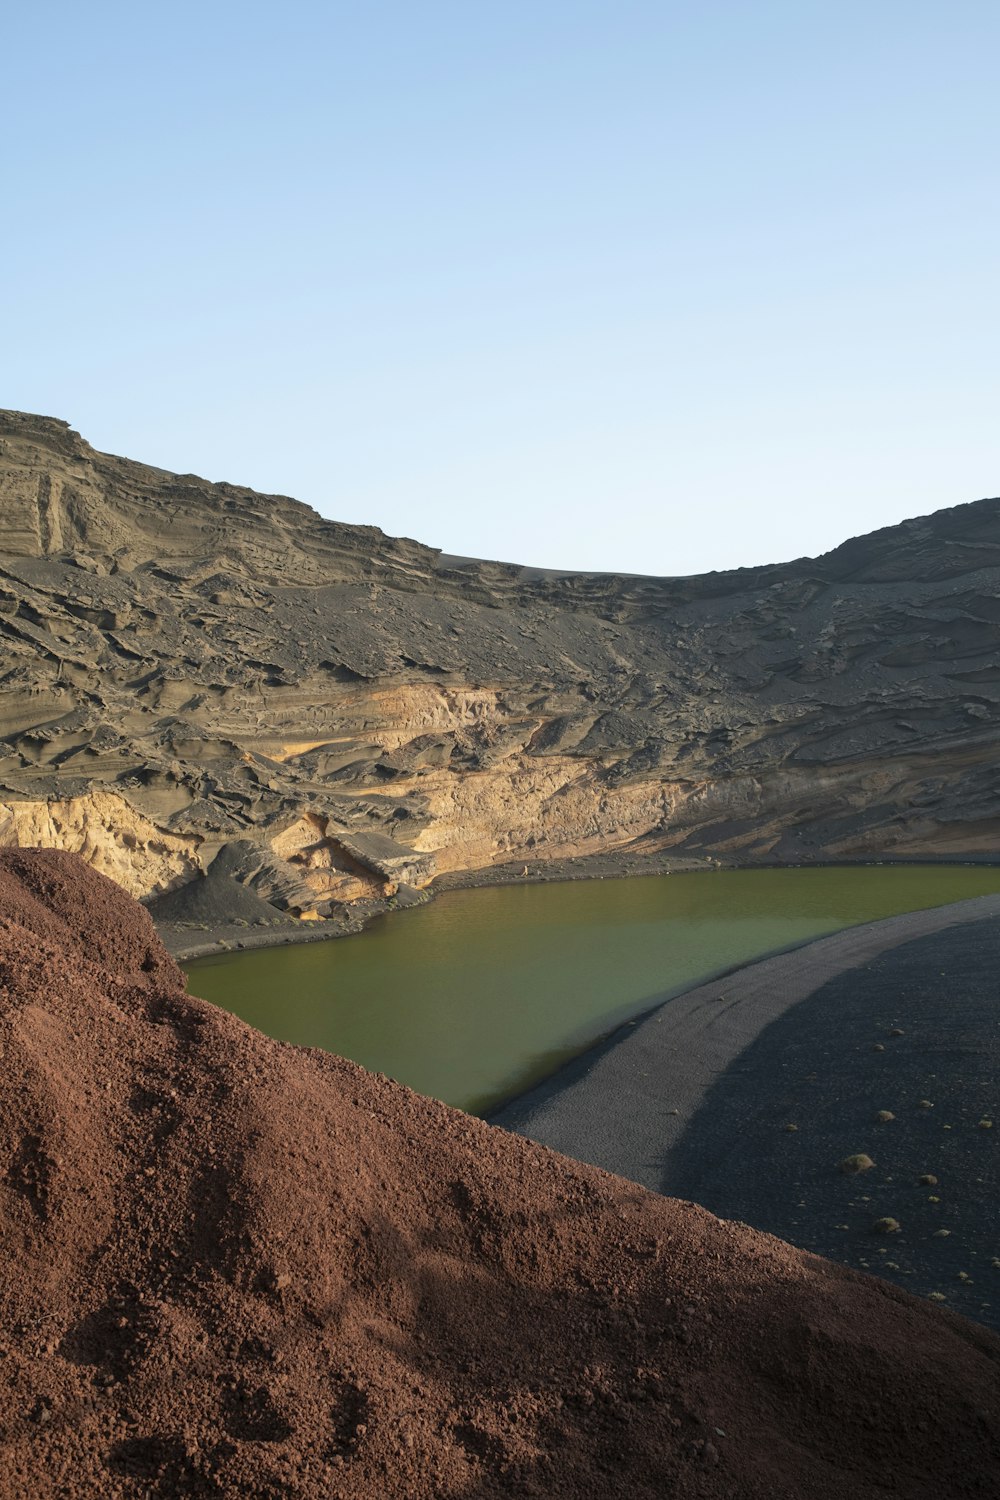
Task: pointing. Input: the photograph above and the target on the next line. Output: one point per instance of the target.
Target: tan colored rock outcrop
(109, 834)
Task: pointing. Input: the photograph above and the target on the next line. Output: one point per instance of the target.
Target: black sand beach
(748, 1093)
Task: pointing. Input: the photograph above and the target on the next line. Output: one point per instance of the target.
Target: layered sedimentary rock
(237, 1268)
(188, 668)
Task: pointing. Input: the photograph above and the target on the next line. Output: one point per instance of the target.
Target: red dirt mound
(236, 1268)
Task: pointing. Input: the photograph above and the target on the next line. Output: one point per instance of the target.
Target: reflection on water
(482, 993)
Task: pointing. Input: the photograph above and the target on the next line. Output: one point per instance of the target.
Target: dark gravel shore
(747, 1095)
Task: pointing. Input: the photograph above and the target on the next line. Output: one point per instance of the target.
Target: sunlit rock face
(197, 668)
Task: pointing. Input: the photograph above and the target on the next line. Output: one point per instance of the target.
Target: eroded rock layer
(237, 1268)
(189, 667)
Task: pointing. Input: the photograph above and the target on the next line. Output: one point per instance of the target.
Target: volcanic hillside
(193, 670)
(237, 1268)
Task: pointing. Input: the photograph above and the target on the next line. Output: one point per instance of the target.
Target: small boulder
(859, 1162)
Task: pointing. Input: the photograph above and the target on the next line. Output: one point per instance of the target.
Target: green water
(481, 993)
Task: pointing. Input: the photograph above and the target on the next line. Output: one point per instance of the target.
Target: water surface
(481, 993)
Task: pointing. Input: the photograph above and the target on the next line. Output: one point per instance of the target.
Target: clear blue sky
(646, 286)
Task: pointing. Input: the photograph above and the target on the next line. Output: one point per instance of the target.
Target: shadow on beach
(915, 1033)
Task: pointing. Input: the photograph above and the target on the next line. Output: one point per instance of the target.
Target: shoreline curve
(627, 1101)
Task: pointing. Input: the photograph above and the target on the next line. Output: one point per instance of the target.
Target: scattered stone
(884, 1116)
(888, 1225)
(859, 1162)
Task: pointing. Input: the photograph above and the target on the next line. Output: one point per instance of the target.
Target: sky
(644, 287)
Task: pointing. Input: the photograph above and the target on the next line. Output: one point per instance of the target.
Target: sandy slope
(233, 1267)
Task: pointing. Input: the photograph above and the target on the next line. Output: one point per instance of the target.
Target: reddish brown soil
(233, 1267)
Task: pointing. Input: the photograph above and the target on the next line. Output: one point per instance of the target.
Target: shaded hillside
(190, 667)
(234, 1267)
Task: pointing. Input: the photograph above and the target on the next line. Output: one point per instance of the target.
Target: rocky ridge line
(196, 678)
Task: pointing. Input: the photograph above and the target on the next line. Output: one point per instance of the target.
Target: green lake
(481, 993)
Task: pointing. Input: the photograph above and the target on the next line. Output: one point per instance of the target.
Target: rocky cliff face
(192, 671)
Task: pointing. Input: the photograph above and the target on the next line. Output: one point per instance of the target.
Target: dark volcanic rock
(188, 666)
(237, 1268)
